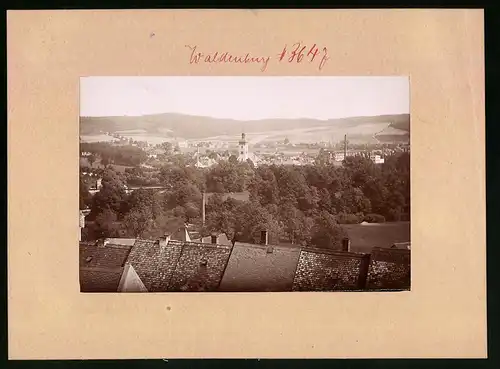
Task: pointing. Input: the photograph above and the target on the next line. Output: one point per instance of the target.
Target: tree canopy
(296, 204)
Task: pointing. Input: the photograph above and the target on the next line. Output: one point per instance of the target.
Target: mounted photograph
(244, 184)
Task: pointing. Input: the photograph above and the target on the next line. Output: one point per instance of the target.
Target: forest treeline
(297, 204)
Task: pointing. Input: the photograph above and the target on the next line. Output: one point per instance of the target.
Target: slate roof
(252, 268)
(109, 256)
(100, 279)
(101, 267)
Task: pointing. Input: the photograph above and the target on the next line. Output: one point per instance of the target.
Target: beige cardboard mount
(444, 315)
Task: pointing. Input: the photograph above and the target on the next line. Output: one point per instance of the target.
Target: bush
(344, 218)
(394, 215)
(405, 217)
(374, 218)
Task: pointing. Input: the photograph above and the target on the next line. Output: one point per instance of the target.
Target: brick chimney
(346, 245)
(263, 237)
(163, 241)
(213, 239)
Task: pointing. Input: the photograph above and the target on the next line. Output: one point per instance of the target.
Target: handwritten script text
(296, 53)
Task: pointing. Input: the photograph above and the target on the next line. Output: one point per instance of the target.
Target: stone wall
(389, 269)
(325, 270)
(200, 267)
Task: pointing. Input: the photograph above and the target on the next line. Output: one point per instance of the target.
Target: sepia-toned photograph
(244, 184)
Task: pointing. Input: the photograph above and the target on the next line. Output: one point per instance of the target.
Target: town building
(243, 148)
(243, 152)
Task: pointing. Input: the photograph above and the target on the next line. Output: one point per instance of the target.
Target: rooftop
(101, 267)
(100, 279)
(252, 268)
(184, 265)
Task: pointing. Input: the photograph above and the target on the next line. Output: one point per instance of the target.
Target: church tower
(243, 149)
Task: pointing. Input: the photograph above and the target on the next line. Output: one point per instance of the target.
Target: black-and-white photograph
(244, 184)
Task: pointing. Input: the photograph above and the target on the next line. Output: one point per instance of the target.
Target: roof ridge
(118, 246)
(216, 245)
(102, 269)
(263, 247)
(318, 250)
(390, 249)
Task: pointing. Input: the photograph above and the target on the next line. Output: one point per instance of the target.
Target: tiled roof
(179, 266)
(109, 256)
(389, 269)
(329, 270)
(154, 264)
(100, 279)
(252, 268)
(200, 267)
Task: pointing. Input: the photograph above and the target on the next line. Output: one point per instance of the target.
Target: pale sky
(245, 98)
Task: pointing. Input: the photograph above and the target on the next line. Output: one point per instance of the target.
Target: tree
(264, 186)
(226, 177)
(167, 147)
(92, 159)
(233, 159)
(183, 195)
(250, 219)
(111, 196)
(325, 200)
(138, 220)
(85, 196)
(376, 191)
(323, 158)
(359, 169)
(192, 210)
(354, 201)
(326, 233)
(106, 225)
(292, 221)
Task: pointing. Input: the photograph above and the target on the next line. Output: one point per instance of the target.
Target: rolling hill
(171, 125)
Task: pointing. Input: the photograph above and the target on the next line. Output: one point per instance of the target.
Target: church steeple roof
(243, 140)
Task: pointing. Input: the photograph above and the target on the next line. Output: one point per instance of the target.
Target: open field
(364, 237)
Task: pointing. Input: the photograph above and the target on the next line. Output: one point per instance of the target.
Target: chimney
(213, 239)
(346, 245)
(263, 237)
(164, 240)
